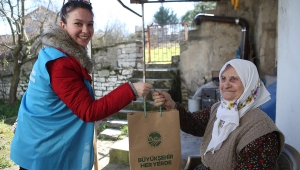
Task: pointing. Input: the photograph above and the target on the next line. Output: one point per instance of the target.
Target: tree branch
(4, 45)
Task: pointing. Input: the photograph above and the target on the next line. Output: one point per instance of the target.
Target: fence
(163, 42)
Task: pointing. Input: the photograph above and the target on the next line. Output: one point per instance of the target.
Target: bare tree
(114, 32)
(23, 42)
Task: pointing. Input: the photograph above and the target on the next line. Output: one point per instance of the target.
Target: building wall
(288, 90)
(212, 44)
(206, 50)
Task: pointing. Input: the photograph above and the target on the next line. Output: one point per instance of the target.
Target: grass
(7, 116)
(124, 132)
(6, 136)
(162, 54)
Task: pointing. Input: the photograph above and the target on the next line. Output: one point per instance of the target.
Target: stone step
(149, 98)
(119, 152)
(160, 69)
(128, 111)
(163, 77)
(122, 114)
(116, 124)
(157, 83)
(110, 134)
(139, 104)
(159, 73)
(99, 125)
(153, 65)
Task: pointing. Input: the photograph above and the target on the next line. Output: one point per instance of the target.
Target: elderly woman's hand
(163, 99)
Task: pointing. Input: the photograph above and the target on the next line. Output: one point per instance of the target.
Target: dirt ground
(103, 148)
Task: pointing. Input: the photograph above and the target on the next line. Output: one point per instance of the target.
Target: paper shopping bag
(154, 140)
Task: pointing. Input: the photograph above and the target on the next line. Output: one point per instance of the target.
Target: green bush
(7, 111)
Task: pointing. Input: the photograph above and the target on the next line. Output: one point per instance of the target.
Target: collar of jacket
(53, 35)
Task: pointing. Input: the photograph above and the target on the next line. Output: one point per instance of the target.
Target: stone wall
(5, 79)
(114, 66)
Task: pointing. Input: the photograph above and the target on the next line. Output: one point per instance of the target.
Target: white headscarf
(230, 112)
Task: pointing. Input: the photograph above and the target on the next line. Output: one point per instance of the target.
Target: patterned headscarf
(230, 112)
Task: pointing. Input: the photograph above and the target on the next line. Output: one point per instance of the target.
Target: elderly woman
(236, 134)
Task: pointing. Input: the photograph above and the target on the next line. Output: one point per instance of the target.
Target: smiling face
(231, 86)
(79, 25)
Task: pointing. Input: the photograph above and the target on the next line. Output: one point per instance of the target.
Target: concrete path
(190, 145)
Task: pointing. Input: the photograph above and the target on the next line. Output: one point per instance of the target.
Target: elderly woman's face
(231, 85)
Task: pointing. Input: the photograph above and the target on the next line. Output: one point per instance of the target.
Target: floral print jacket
(256, 155)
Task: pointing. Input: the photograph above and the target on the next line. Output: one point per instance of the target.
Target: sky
(106, 11)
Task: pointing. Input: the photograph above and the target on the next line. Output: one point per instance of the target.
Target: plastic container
(194, 104)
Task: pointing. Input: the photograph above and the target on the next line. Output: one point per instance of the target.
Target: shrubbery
(7, 112)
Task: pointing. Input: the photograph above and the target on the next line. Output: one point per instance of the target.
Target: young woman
(55, 120)
(236, 134)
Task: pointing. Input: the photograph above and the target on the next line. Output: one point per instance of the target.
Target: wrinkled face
(80, 26)
(231, 85)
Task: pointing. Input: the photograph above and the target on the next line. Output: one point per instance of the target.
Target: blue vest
(49, 136)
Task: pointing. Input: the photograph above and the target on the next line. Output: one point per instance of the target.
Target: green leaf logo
(154, 139)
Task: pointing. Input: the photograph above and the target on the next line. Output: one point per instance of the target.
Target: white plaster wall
(214, 43)
(206, 50)
(288, 89)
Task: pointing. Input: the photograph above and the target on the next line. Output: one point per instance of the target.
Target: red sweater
(66, 77)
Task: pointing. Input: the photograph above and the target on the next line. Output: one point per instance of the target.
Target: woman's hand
(163, 99)
(142, 89)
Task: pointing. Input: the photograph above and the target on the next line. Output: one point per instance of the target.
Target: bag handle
(145, 113)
